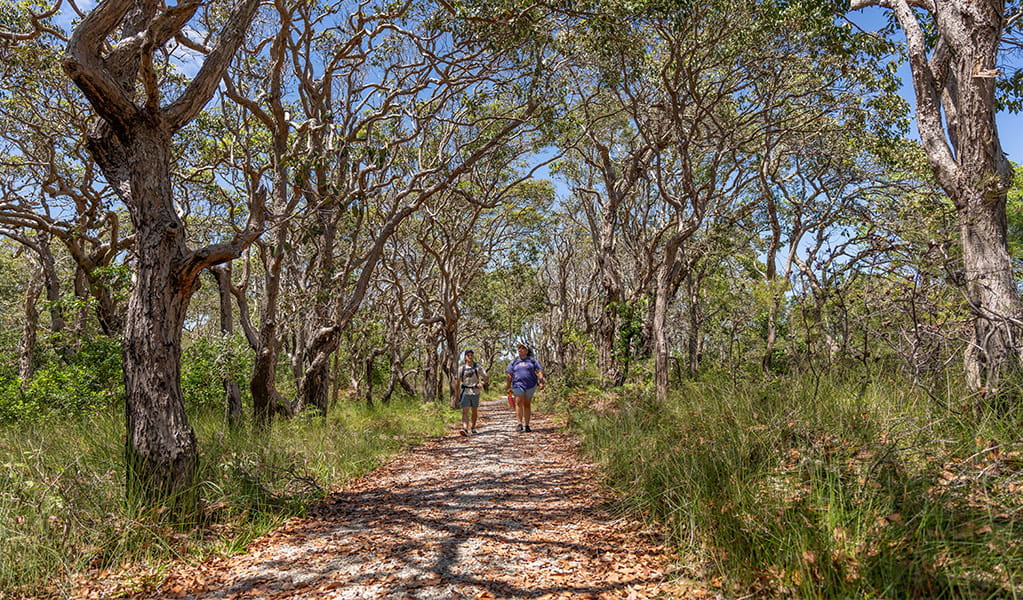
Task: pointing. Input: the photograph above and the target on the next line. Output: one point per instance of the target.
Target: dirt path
(498, 515)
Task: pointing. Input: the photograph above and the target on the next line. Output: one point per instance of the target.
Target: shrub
(90, 380)
(206, 362)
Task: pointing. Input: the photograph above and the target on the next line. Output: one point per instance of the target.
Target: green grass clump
(62, 507)
(828, 490)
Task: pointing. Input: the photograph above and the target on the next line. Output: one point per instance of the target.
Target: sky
(1010, 126)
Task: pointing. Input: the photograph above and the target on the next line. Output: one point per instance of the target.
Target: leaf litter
(501, 514)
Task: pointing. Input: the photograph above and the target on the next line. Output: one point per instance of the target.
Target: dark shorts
(470, 400)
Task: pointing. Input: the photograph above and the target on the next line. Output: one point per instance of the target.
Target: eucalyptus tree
(814, 188)
(50, 189)
(118, 55)
(683, 99)
(496, 209)
(608, 159)
(408, 283)
(953, 49)
(566, 278)
(370, 111)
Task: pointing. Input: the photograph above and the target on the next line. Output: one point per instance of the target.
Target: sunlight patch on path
(501, 514)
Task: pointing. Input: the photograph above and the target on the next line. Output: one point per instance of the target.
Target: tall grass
(62, 510)
(825, 489)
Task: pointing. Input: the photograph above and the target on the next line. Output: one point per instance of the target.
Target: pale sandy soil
(498, 515)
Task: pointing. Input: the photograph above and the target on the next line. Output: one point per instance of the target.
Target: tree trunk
(29, 330)
(611, 369)
(991, 290)
(266, 400)
(52, 285)
(231, 392)
(161, 447)
(658, 330)
(955, 108)
(315, 387)
(668, 274)
(695, 336)
(369, 377)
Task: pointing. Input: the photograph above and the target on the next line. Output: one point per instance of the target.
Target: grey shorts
(470, 400)
(527, 393)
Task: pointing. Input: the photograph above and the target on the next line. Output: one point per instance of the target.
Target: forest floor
(500, 514)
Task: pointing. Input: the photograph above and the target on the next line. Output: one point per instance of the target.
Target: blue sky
(1010, 126)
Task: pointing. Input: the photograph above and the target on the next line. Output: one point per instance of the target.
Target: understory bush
(89, 379)
(820, 489)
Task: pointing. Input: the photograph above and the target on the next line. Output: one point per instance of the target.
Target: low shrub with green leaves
(62, 509)
(89, 379)
(206, 362)
(828, 489)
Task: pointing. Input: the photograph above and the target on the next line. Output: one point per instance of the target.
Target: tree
(113, 56)
(51, 185)
(953, 49)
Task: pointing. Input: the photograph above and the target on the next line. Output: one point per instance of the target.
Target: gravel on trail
(500, 514)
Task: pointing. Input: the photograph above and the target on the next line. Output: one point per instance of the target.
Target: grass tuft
(62, 508)
(828, 490)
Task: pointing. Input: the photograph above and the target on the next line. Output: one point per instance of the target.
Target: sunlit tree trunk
(953, 50)
(231, 392)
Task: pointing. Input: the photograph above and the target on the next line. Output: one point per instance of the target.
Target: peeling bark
(132, 143)
(955, 108)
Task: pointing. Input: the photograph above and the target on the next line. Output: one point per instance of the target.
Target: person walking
(469, 381)
(525, 375)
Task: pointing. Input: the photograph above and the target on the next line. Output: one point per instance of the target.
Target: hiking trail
(500, 514)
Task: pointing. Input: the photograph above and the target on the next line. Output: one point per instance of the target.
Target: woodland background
(242, 247)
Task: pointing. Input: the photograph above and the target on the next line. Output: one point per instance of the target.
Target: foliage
(835, 488)
(1014, 215)
(61, 485)
(207, 362)
(89, 381)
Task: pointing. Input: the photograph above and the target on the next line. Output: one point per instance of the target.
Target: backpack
(461, 372)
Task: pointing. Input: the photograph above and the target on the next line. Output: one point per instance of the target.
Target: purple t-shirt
(523, 372)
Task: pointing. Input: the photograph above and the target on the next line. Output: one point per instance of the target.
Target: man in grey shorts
(469, 380)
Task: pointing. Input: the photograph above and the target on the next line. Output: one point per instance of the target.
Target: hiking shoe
(474, 432)
(464, 432)
(527, 428)
(518, 427)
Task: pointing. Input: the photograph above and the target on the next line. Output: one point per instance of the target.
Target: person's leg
(518, 407)
(475, 412)
(527, 407)
(466, 404)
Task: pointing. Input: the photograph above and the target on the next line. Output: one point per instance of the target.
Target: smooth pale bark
(955, 108)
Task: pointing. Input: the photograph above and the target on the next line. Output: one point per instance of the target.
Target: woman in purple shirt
(525, 375)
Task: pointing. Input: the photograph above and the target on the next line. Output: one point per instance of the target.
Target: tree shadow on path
(501, 514)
